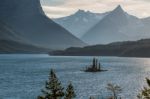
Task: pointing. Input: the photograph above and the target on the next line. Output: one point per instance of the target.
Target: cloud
(54, 12)
(59, 8)
(52, 2)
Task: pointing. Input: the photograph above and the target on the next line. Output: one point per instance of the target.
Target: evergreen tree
(145, 94)
(70, 94)
(53, 88)
(99, 66)
(40, 97)
(94, 63)
(91, 97)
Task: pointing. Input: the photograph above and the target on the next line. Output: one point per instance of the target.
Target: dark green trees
(54, 90)
(95, 67)
(91, 97)
(70, 94)
(145, 94)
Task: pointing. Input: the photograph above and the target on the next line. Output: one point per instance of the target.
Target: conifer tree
(145, 94)
(53, 88)
(91, 97)
(99, 66)
(70, 94)
(94, 63)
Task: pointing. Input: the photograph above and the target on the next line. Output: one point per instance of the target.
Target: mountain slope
(15, 47)
(80, 22)
(12, 43)
(117, 26)
(124, 49)
(6, 32)
(28, 19)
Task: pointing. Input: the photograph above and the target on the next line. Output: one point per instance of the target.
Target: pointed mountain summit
(118, 12)
(116, 26)
(119, 9)
(80, 22)
(118, 16)
(28, 19)
(80, 12)
(84, 13)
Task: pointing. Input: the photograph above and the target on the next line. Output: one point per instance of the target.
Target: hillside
(15, 47)
(80, 22)
(128, 49)
(34, 27)
(118, 25)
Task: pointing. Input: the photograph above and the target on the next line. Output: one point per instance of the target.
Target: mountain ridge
(116, 26)
(82, 20)
(32, 25)
(138, 48)
(13, 47)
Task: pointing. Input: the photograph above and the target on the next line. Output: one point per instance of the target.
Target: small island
(95, 67)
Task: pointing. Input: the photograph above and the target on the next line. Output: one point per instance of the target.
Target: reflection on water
(23, 76)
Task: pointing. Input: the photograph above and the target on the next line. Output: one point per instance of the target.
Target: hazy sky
(59, 8)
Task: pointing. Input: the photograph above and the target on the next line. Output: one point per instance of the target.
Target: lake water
(23, 76)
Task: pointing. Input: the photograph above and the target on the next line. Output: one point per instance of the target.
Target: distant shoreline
(99, 56)
(68, 55)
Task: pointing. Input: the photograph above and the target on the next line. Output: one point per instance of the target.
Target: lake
(23, 76)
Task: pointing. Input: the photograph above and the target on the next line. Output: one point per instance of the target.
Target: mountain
(7, 33)
(80, 22)
(117, 26)
(9, 46)
(138, 48)
(12, 43)
(33, 26)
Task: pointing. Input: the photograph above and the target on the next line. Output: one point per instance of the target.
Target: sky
(61, 8)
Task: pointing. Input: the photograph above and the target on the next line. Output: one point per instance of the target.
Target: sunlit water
(23, 76)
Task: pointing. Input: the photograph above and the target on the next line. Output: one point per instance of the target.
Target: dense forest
(138, 48)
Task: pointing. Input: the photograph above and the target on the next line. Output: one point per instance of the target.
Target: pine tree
(145, 94)
(53, 88)
(70, 94)
(91, 97)
(94, 63)
(99, 66)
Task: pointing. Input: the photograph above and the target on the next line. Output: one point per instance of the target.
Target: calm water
(23, 76)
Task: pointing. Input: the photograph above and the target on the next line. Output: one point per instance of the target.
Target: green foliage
(40, 97)
(148, 82)
(145, 93)
(70, 94)
(115, 89)
(91, 97)
(95, 67)
(53, 88)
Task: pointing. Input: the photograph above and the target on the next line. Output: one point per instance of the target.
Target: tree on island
(145, 93)
(70, 94)
(95, 67)
(53, 88)
(91, 97)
